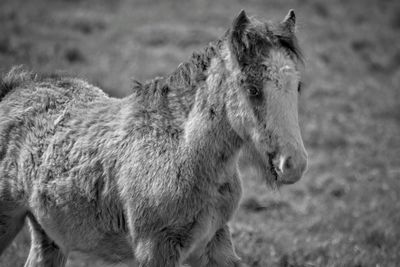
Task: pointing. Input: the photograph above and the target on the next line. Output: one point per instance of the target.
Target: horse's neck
(209, 146)
(207, 130)
(188, 101)
(210, 136)
(187, 73)
(184, 81)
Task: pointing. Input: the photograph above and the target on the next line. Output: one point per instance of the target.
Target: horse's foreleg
(12, 220)
(155, 253)
(218, 253)
(44, 252)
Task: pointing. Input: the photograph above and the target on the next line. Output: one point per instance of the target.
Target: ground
(346, 210)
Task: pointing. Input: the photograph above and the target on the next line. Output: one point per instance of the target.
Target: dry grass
(346, 211)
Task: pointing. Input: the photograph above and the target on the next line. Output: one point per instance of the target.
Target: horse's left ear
(289, 22)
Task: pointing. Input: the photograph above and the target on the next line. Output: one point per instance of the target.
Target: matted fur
(150, 179)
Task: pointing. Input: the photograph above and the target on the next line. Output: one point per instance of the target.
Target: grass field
(346, 210)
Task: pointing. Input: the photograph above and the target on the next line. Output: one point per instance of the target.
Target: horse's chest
(227, 193)
(220, 209)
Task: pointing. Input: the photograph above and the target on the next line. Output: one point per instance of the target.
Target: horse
(151, 179)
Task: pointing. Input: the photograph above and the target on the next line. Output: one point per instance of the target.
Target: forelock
(263, 37)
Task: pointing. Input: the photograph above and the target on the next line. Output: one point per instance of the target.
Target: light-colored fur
(150, 179)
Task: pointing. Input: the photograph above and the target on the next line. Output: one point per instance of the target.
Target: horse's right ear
(238, 40)
(289, 22)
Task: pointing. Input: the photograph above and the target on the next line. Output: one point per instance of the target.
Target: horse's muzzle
(290, 165)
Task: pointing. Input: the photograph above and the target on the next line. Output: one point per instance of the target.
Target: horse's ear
(289, 22)
(238, 41)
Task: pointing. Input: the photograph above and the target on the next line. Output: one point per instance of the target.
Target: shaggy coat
(149, 179)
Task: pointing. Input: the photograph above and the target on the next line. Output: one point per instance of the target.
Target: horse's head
(262, 95)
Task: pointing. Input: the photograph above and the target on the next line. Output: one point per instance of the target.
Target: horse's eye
(253, 91)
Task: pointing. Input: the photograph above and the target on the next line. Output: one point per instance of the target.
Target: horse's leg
(12, 219)
(157, 252)
(44, 252)
(218, 253)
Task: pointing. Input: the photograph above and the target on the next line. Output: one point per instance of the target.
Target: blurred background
(346, 210)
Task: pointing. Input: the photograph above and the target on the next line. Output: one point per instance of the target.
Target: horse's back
(23, 89)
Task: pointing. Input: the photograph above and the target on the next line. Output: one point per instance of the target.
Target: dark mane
(177, 90)
(190, 72)
(186, 75)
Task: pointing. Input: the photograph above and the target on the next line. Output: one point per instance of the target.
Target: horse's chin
(271, 177)
(266, 174)
(251, 164)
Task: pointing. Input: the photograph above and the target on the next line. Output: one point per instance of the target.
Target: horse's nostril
(290, 168)
(288, 164)
(285, 164)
